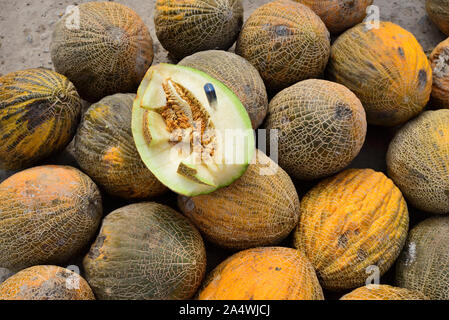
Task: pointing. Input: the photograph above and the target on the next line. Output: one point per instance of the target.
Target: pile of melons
(298, 220)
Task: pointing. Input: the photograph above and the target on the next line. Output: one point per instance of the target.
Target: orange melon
(383, 292)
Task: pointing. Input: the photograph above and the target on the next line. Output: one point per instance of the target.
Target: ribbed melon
(386, 68)
(108, 52)
(238, 75)
(47, 215)
(39, 113)
(185, 27)
(321, 128)
(105, 150)
(146, 251)
(270, 273)
(261, 208)
(418, 161)
(383, 292)
(423, 264)
(350, 222)
(339, 15)
(46, 283)
(439, 60)
(438, 11)
(286, 41)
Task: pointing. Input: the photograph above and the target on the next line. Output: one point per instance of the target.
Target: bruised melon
(438, 11)
(286, 42)
(418, 161)
(185, 27)
(383, 292)
(238, 75)
(423, 264)
(260, 208)
(439, 60)
(103, 48)
(349, 223)
(339, 15)
(146, 251)
(46, 283)
(321, 127)
(47, 215)
(270, 273)
(105, 150)
(39, 113)
(386, 68)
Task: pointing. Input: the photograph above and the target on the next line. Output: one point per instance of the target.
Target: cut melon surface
(191, 131)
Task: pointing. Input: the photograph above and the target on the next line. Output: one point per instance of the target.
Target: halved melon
(191, 131)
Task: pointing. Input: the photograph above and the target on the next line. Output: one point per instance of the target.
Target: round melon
(47, 215)
(261, 208)
(383, 292)
(321, 127)
(186, 27)
(105, 150)
(349, 223)
(418, 161)
(438, 11)
(339, 15)
(190, 130)
(386, 68)
(103, 48)
(238, 75)
(46, 283)
(286, 41)
(423, 264)
(269, 273)
(146, 251)
(439, 60)
(39, 113)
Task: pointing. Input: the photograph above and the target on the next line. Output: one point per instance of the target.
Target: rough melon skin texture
(238, 75)
(423, 264)
(339, 15)
(286, 41)
(383, 292)
(39, 113)
(350, 222)
(105, 150)
(439, 60)
(185, 27)
(269, 273)
(321, 127)
(47, 215)
(46, 283)
(146, 251)
(386, 68)
(261, 208)
(438, 11)
(190, 130)
(108, 52)
(418, 161)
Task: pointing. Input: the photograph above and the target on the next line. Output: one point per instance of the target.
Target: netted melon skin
(105, 150)
(438, 11)
(39, 112)
(321, 128)
(260, 208)
(423, 264)
(46, 283)
(185, 27)
(439, 60)
(383, 292)
(107, 53)
(269, 273)
(418, 158)
(350, 222)
(286, 42)
(47, 215)
(146, 251)
(339, 15)
(386, 68)
(238, 75)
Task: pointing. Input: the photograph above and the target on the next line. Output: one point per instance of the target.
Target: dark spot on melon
(401, 52)
(342, 111)
(277, 269)
(35, 114)
(282, 31)
(95, 250)
(343, 240)
(422, 79)
(361, 254)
